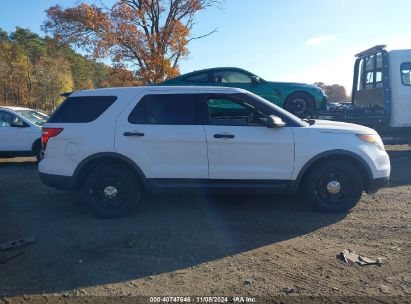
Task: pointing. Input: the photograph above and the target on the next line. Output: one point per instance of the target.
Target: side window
(81, 109)
(406, 73)
(231, 77)
(229, 112)
(202, 77)
(6, 119)
(166, 109)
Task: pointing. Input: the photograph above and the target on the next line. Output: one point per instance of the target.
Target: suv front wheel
(111, 191)
(334, 186)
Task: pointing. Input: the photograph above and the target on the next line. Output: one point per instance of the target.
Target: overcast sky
(294, 40)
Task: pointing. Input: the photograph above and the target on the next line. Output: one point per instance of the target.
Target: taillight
(49, 133)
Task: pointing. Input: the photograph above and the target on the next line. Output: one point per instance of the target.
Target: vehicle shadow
(400, 168)
(167, 233)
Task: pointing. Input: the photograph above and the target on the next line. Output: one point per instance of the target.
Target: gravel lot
(197, 244)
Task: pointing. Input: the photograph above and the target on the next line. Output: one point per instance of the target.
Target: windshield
(34, 117)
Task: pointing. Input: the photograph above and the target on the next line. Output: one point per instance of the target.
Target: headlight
(373, 139)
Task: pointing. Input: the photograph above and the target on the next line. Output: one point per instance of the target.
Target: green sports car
(298, 98)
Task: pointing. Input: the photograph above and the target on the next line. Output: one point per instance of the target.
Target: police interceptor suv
(114, 145)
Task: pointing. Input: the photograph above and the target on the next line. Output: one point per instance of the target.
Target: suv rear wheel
(334, 186)
(111, 191)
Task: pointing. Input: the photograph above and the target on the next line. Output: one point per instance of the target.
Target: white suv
(20, 131)
(113, 145)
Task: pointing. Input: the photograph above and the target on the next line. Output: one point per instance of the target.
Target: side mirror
(275, 122)
(18, 124)
(255, 79)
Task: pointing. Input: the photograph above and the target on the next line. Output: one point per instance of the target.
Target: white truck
(381, 94)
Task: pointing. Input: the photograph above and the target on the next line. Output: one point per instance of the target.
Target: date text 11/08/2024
(203, 299)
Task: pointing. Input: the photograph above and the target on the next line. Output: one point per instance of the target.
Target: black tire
(37, 150)
(300, 104)
(322, 192)
(111, 191)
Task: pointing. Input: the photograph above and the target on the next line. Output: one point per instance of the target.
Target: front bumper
(377, 183)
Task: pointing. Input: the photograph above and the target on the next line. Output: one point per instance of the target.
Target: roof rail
(370, 51)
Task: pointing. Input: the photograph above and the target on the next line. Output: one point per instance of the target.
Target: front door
(241, 147)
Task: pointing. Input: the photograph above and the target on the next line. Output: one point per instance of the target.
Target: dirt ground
(200, 245)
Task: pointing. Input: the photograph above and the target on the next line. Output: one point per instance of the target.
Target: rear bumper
(378, 183)
(58, 181)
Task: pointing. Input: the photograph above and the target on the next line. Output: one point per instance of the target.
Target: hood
(328, 126)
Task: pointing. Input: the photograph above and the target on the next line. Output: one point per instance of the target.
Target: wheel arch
(351, 157)
(35, 143)
(94, 160)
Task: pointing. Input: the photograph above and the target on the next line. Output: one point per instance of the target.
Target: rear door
(241, 147)
(163, 134)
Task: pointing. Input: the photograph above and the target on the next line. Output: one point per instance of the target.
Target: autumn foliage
(34, 71)
(148, 36)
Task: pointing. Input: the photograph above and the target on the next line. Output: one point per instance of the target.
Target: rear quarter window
(81, 109)
(166, 109)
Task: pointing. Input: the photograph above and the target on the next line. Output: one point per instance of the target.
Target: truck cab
(381, 94)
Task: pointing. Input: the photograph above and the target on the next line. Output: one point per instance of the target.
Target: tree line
(34, 71)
